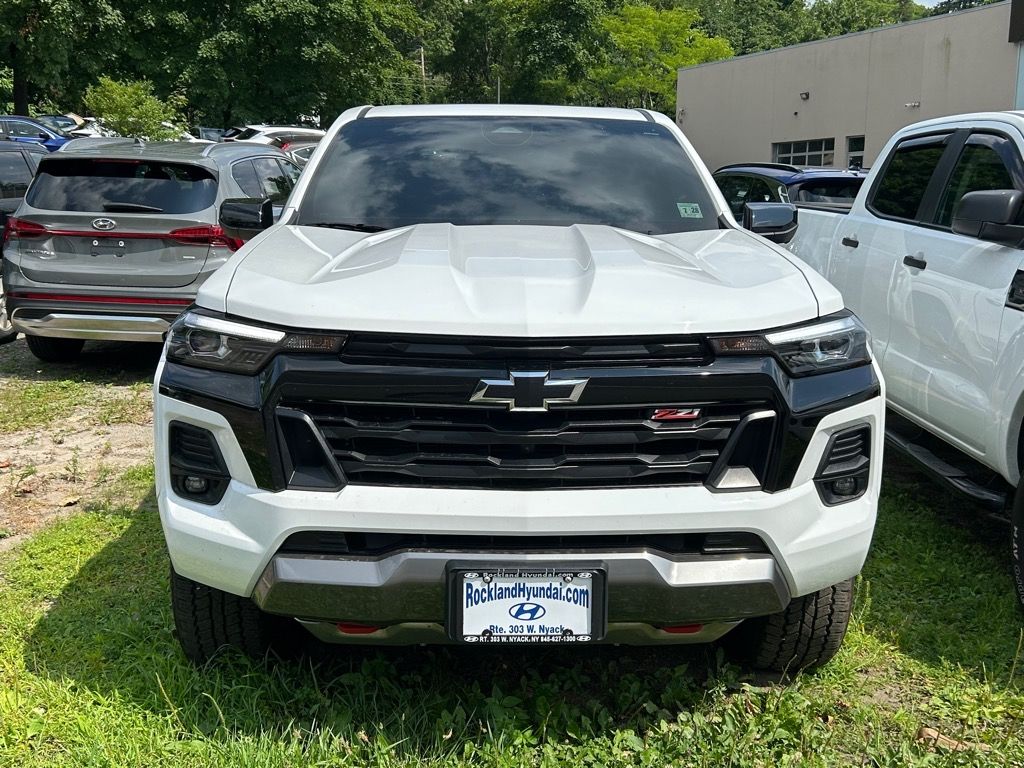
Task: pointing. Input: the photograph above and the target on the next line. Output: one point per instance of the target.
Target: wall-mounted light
(912, 104)
(805, 95)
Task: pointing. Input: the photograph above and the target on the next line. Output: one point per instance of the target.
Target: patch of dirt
(45, 472)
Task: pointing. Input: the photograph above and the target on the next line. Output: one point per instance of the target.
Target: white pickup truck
(930, 259)
(511, 374)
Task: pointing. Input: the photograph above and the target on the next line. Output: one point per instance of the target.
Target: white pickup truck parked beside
(930, 259)
(508, 374)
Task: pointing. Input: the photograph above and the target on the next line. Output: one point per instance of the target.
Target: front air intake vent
(843, 472)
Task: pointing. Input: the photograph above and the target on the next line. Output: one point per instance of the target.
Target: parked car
(30, 131)
(575, 402)
(18, 162)
(930, 257)
(300, 151)
(272, 134)
(210, 134)
(114, 238)
(772, 182)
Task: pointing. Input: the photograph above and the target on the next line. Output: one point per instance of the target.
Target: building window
(854, 151)
(816, 152)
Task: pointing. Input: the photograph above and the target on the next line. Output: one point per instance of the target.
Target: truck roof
(507, 110)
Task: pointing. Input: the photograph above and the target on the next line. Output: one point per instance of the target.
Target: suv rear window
(391, 172)
(118, 185)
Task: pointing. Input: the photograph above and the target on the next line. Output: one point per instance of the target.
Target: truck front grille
(572, 447)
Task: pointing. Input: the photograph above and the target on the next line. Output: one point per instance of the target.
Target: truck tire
(208, 620)
(51, 350)
(806, 635)
(1017, 541)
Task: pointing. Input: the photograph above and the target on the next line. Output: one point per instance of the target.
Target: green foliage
(130, 108)
(645, 48)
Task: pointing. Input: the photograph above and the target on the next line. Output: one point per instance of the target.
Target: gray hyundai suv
(113, 239)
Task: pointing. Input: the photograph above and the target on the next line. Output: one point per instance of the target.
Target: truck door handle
(850, 242)
(915, 262)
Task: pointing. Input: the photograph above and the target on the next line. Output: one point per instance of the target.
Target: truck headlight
(829, 344)
(205, 340)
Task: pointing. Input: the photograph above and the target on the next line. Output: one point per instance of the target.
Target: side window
(900, 190)
(245, 176)
(291, 171)
(735, 190)
(18, 128)
(14, 175)
(273, 181)
(761, 192)
(982, 165)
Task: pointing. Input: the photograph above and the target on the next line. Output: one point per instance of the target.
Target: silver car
(113, 240)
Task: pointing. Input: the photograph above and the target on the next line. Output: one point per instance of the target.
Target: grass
(90, 674)
(105, 388)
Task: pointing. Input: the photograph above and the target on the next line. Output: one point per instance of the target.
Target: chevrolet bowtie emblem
(528, 391)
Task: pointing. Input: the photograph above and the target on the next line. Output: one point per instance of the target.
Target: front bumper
(234, 545)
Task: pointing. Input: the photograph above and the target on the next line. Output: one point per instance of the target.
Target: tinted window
(248, 133)
(14, 174)
(291, 171)
(274, 182)
(905, 178)
(829, 191)
(981, 166)
(245, 177)
(735, 190)
(23, 129)
(391, 172)
(761, 192)
(101, 185)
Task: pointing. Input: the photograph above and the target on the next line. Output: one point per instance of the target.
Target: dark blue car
(30, 131)
(776, 183)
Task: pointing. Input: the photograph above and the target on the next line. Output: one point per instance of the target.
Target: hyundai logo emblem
(526, 611)
(104, 225)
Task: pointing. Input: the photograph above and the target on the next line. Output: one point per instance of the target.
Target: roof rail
(777, 166)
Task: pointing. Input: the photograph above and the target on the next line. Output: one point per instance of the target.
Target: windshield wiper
(349, 226)
(131, 208)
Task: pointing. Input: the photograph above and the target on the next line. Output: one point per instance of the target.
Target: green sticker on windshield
(689, 210)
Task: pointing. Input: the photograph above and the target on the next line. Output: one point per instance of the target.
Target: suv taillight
(205, 235)
(21, 228)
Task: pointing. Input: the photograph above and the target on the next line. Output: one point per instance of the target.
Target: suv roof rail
(777, 166)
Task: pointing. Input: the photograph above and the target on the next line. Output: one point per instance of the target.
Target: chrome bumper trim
(97, 327)
(409, 587)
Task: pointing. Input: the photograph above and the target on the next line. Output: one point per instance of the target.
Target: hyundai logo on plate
(526, 611)
(104, 225)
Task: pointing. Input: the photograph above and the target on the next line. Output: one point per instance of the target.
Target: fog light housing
(846, 466)
(195, 484)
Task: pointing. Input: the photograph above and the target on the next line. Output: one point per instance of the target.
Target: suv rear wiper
(349, 226)
(130, 208)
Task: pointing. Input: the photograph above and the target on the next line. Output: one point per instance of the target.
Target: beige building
(835, 102)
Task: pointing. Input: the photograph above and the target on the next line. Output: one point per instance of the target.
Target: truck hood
(584, 280)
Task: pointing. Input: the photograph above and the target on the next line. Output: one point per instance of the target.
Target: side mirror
(44, 136)
(775, 221)
(991, 215)
(245, 216)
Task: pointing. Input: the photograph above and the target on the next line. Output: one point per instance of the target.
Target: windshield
(392, 172)
(121, 185)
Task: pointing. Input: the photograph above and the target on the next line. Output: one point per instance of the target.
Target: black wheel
(208, 620)
(1017, 541)
(51, 350)
(804, 636)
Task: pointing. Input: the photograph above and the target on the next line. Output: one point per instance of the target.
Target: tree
(131, 109)
(645, 49)
(39, 38)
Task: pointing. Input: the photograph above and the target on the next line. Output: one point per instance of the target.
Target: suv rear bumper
(75, 325)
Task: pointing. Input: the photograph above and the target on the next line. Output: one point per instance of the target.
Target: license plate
(527, 604)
